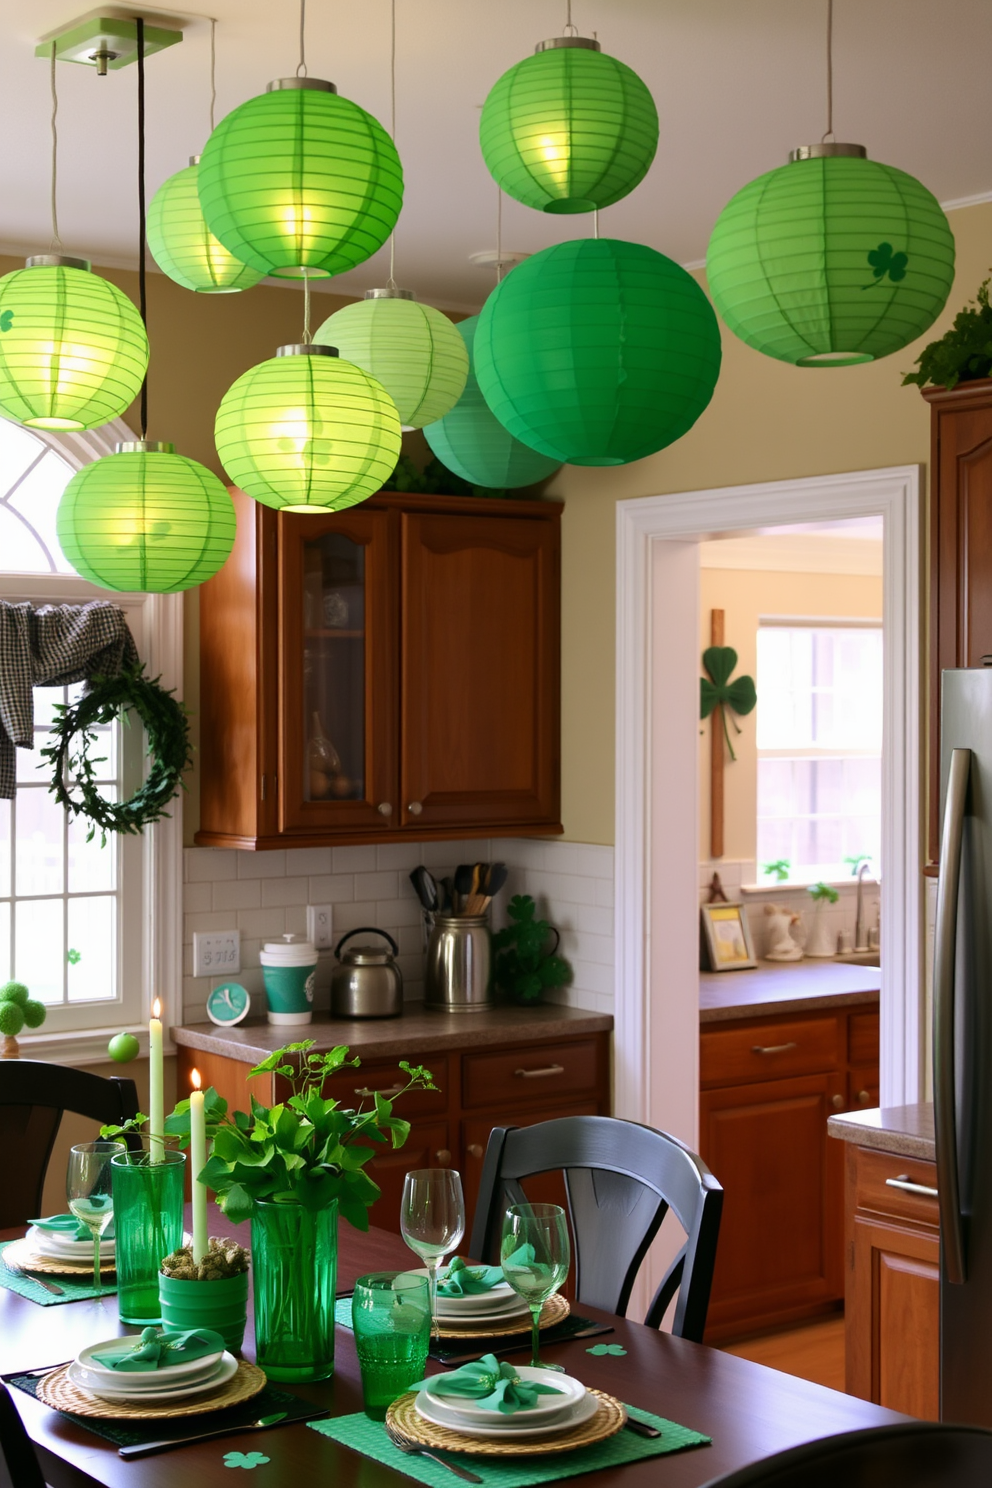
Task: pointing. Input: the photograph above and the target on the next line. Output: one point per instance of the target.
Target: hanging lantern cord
(499, 234)
(213, 70)
(829, 134)
(301, 70)
(142, 299)
(570, 29)
(307, 338)
(391, 282)
(595, 223)
(56, 240)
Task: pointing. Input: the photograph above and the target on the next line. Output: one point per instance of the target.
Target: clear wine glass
(432, 1220)
(89, 1191)
(535, 1253)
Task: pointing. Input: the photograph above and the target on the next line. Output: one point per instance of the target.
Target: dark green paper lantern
(597, 352)
(146, 520)
(569, 129)
(831, 260)
(299, 182)
(471, 441)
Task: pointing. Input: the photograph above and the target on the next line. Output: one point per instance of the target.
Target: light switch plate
(217, 953)
(320, 926)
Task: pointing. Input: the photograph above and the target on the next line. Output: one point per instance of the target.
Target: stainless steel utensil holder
(458, 971)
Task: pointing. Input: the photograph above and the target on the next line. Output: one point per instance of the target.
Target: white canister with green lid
(289, 969)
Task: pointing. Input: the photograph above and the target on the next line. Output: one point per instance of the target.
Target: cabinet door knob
(385, 808)
(443, 1156)
(537, 1074)
(474, 1149)
(415, 808)
(837, 1101)
(864, 1097)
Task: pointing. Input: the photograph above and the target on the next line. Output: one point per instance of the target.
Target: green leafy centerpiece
(525, 965)
(291, 1168)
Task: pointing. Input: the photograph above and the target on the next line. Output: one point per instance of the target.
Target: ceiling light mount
(555, 43)
(57, 261)
(497, 258)
(107, 39)
(826, 150)
(390, 292)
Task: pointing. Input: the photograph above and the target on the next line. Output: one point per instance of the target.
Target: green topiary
(34, 1013)
(963, 353)
(11, 1019)
(14, 992)
(524, 967)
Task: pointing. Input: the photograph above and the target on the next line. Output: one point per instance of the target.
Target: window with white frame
(73, 913)
(819, 741)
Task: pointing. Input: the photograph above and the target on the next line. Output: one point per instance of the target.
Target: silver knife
(145, 1449)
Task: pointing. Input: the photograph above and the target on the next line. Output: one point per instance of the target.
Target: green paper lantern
(413, 350)
(184, 247)
(831, 260)
(146, 520)
(471, 441)
(597, 352)
(299, 182)
(569, 129)
(73, 350)
(307, 432)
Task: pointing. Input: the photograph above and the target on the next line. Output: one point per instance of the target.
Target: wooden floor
(814, 1352)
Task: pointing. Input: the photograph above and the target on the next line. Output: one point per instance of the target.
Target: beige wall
(744, 597)
(767, 422)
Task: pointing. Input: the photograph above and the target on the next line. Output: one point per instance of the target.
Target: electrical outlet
(320, 926)
(216, 954)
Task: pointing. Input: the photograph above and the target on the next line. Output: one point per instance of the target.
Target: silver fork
(19, 1270)
(405, 1445)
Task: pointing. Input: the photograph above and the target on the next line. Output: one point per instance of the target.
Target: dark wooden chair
(621, 1180)
(917, 1454)
(33, 1096)
(19, 1467)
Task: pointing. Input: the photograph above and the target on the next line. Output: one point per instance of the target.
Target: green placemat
(25, 1286)
(136, 1433)
(371, 1440)
(453, 1348)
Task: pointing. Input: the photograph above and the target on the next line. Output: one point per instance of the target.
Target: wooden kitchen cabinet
(960, 552)
(768, 1087)
(383, 672)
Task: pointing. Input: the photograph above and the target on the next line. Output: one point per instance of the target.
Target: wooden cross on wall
(718, 694)
(717, 752)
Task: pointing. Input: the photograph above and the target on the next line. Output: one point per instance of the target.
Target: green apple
(122, 1047)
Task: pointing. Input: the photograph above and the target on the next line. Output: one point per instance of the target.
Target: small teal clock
(228, 1004)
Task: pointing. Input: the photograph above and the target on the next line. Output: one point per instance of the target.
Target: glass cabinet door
(338, 733)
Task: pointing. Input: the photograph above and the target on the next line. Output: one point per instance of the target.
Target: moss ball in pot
(211, 1294)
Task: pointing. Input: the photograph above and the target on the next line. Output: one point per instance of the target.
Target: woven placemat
(32, 1259)
(24, 1286)
(554, 1312)
(404, 1418)
(58, 1391)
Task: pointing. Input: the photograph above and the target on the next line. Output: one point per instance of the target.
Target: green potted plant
(291, 1168)
(210, 1294)
(17, 1008)
(821, 943)
(963, 353)
(525, 966)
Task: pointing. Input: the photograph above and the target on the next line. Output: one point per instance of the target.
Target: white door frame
(653, 933)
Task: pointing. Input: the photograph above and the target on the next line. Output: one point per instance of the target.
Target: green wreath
(73, 733)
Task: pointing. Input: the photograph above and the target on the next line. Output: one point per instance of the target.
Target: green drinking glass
(148, 1224)
(535, 1253)
(391, 1313)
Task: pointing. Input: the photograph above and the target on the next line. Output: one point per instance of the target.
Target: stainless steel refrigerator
(962, 1047)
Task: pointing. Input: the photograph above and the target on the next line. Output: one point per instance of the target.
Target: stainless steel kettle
(366, 982)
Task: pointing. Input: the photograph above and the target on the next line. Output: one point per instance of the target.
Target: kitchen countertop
(905, 1131)
(416, 1032)
(785, 987)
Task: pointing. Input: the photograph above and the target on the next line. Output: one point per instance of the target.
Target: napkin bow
(492, 1385)
(63, 1224)
(155, 1350)
(463, 1280)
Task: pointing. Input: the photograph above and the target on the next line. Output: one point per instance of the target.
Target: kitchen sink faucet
(860, 929)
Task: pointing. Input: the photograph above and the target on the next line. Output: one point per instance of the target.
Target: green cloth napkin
(494, 1386)
(371, 1439)
(26, 1286)
(63, 1224)
(462, 1280)
(155, 1350)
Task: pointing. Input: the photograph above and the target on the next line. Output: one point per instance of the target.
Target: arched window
(33, 476)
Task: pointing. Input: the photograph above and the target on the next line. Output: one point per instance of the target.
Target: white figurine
(781, 946)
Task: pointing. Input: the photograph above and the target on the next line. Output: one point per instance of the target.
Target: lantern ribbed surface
(307, 433)
(184, 247)
(829, 262)
(413, 350)
(597, 352)
(300, 182)
(73, 351)
(146, 520)
(568, 130)
(471, 441)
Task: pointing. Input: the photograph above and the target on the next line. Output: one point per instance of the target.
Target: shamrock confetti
(883, 261)
(616, 1349)
(245, 1459)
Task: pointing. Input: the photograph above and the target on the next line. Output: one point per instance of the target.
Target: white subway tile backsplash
(198, 897)
(353, 859)
(208, 864)
(332, 888)
(239, 893)
(261, 864)
(376, 885)
(284, 891)
(398, 855)
(262, 924)
(307, 861)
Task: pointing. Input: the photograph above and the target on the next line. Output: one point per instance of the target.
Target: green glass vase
(148, 1223)
(294, 1255)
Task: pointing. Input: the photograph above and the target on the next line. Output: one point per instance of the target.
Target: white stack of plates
(552, 1415)
(178, 1381)
(478, 1309)
(61, 1247)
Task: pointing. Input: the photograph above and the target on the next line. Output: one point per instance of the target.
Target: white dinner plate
(432, 1410)
(475, 1320)
(48, 1243)
(548, 1407)
(501, 1294)
(495, 1307)
(182, 1390)
(191, 1369)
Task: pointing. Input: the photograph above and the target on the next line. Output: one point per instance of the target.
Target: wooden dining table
(748, 1410)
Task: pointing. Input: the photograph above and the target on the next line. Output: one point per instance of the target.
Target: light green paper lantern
(831, 260)
(73, 350)
(146, 520)
(569, 129)
(413, 350)
(471, 441)
(299, 182)
(184, 247)
(307, 432)
(597, 352)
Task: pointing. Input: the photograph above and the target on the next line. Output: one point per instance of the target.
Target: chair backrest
(621, 1180)
(917, 1454)
(33, 1095)
(19, 1467)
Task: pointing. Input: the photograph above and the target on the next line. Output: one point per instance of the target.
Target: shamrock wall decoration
(717, 691)
(884, 261)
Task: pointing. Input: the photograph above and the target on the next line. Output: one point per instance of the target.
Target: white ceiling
(737, 84)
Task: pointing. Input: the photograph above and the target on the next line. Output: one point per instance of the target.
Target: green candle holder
(148, 1220)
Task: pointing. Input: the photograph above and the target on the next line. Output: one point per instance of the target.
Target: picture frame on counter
(725, 940)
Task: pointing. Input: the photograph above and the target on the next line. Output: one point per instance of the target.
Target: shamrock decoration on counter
(245, 1459)
(884, 261)
(600, 1349)
(717, 690)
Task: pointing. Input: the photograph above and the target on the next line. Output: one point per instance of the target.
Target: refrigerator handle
(945, 1110)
